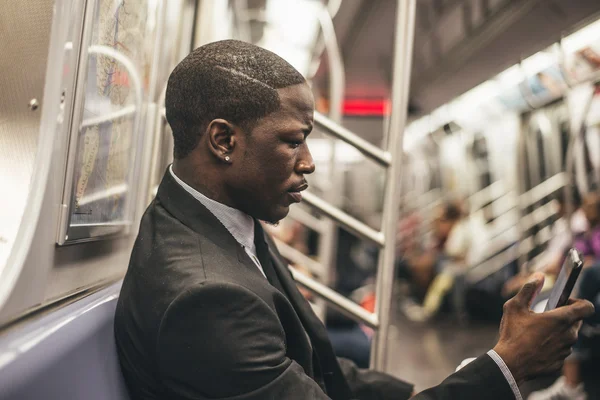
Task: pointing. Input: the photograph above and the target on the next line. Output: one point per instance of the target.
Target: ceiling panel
(451, 56)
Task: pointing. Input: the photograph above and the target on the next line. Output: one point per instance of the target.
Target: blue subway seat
(68, 354)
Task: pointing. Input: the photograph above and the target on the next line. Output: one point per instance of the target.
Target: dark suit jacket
(197, 320)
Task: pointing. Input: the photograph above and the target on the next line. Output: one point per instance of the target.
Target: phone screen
(565, 281)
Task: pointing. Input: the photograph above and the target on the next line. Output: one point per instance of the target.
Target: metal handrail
(502, 204)
(499, 261)
(503, 223)
(373, 152)
(349, 222)
(328, 237)
(403, 50)
(405, 17)
(491, 265)
(530, 220)
(538, 216)
(337, 301)
(494, 246)
(298, 257)
(102, 119)
(486, 195)
(306, 218)
(542, 190)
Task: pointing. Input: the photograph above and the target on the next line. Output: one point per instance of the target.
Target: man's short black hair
(229, 79)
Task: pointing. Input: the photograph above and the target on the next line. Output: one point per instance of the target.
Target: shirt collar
(238, 223)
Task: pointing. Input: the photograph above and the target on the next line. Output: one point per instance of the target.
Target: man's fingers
(574, 311)
(528, 292)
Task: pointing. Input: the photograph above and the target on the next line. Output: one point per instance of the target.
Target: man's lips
(296, 196)
(295, 192)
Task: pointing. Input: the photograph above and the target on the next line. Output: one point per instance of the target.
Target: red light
(366, 107)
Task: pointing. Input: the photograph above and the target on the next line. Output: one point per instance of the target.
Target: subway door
(529, 177)
(542, 151)
(584, 120)
(458, 174)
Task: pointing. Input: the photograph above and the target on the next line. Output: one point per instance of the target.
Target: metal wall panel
(39, 273)
(24, 39)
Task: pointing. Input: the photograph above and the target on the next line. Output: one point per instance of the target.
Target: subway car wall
(67, 228)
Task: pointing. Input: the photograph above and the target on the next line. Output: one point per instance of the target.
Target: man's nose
(305, 164)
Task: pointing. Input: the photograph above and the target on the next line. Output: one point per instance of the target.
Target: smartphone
(566, 281)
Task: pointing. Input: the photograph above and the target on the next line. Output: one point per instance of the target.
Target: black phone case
(564, 297)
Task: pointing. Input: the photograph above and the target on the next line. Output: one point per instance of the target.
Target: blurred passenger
(588, 243)
(455, 233)
(457, 246)
(407, 236)
(422, 266)
(456, 256)
(586, 351)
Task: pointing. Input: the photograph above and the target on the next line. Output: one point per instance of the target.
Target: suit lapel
(323, 350)
(190, 212)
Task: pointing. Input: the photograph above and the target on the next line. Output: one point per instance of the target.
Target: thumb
(528, 292)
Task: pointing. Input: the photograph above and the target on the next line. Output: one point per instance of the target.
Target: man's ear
(222, 139)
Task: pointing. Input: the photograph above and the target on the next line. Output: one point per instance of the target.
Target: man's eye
(295, 145)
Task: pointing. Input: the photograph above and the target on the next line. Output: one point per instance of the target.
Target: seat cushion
(68, 354)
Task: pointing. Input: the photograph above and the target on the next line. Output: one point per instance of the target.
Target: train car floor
(425, 353)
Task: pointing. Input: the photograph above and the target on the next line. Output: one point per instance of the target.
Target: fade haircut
(229, 79)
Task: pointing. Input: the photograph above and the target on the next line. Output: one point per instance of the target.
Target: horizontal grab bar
(544, 189)
(336, 300)
(305, 218)
(298, 257)
(359, 228)
(375, 153)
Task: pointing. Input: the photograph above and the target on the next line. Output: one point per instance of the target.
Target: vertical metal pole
(522, 177)
(328, 239)
(403, 45)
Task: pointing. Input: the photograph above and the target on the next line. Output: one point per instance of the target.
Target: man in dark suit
(208, 309)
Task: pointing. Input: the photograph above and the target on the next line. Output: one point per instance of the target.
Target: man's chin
(277, 215)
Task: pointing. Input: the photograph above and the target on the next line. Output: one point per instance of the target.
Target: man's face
(271, 161)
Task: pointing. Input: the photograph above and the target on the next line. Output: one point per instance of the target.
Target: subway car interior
(457, 152)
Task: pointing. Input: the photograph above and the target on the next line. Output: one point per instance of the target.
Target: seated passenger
(422, 265)
(588, 243)
(208, 308)
(459, 248)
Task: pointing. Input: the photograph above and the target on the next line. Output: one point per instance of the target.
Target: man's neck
(196, 177)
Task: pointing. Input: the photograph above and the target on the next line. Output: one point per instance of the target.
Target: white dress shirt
(238, 223)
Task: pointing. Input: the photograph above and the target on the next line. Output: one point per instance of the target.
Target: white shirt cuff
(507, 374)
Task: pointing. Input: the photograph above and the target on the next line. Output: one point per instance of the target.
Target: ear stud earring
(227, 158)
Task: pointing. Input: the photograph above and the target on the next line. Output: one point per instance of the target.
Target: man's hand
(515, 283)
(535, 344)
